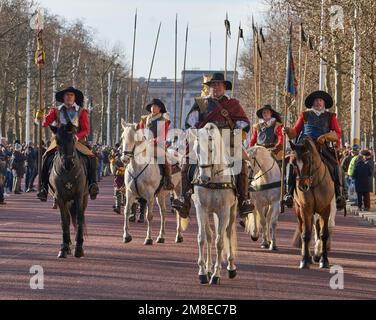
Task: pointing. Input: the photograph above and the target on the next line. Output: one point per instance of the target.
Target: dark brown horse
(69, 183)
(314, 193)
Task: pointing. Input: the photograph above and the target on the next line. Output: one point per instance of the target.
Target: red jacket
(84, 127)
(162, 135)
(278, 132)
(333, 126)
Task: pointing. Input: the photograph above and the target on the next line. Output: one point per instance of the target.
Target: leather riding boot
(244, 203)
(117, 197)
(167, 184)
(291, 183)
(46, 163)
(92, 177)
(183, 207)
(340, 199)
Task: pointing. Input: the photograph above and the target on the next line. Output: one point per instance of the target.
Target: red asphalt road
(30, 234)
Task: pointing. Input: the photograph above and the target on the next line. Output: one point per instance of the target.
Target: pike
(37, 23)
(151, 68)
(183, 80)
(176, 68)
(240, 35)
(130, 89)
(227, 35)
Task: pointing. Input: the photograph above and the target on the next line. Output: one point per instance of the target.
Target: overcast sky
(113, 22)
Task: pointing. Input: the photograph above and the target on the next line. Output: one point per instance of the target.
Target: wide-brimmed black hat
(159, 103)
(319, 94)
(275, 114)
(219, 77)
(79, 95)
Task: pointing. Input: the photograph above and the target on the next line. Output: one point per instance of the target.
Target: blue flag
(291, 84)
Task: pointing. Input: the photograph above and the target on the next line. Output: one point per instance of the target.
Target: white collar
(76, 106)
(318, 113)
(270, 122)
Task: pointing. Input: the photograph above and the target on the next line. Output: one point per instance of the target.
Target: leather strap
(225, 114)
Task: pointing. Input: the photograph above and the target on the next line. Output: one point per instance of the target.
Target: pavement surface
(30, 234)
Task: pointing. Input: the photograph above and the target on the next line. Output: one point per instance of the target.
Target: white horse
(214, 194)
(265, 186)
(142, 179)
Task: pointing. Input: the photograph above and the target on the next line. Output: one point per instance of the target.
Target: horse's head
(207, 147)
(65, 141)
(304, 160)
(130, 138)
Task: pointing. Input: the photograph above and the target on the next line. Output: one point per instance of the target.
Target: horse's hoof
(203, 279)
(179, 239)
(254, 239)
(62, 254)
(215, 280)
(273, 247)
(160, 240)
(127, 239)
(242, 224)
(324, 265)
(132, 219)
(232, 274)
(304, 265)
(141, 219)
(316, 258)
(148, 242)
(79, 252)
(265, 245)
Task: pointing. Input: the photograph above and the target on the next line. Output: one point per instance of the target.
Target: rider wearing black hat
(322, 126)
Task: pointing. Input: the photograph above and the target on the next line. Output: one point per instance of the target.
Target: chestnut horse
(314, 193)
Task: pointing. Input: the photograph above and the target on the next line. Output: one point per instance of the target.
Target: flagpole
(236, 61)
(130, 90)
(302, 90)
(260, 71)
(176, 68)
(183, 78)
(283, 169)
(210, 52)
(151, 68)
(355, 96)
(255, 55)
(300, 67)
(322, 43)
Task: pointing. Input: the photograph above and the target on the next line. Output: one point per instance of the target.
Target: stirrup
(93, 191)
(289, 201)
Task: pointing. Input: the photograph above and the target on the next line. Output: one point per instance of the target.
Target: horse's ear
(252, 152)
(53, 129)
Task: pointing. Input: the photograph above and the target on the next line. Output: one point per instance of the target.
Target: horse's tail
(230, 242)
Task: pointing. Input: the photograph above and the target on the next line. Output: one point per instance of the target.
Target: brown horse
(314, 193)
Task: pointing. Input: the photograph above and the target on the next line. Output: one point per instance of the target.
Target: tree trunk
(16, 114)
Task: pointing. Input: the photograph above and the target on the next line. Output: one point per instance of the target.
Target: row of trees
(337, 52)
(71, 59)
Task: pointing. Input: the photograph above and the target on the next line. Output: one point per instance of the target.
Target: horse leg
(306, 215)
(274, 213)
(222, 223)
(265, 243)
(162, 210)
(65, 225)
(324, 236)
(149, 218)
(201, 239)
(78, 207)
(231, 242)
(318, 242)
(209, 243)
(179, 227)
(127, 212)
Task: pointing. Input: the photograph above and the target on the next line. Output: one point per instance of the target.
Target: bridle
(255, 162)
(311, 171)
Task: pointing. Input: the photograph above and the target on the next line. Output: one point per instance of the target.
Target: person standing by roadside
(31, 163)
(362, 176)
(18, 168)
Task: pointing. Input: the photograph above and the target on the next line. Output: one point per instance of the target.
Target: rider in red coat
(71, 110)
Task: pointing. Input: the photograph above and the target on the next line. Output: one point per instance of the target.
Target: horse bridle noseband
(311, 172)
(255, 162)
